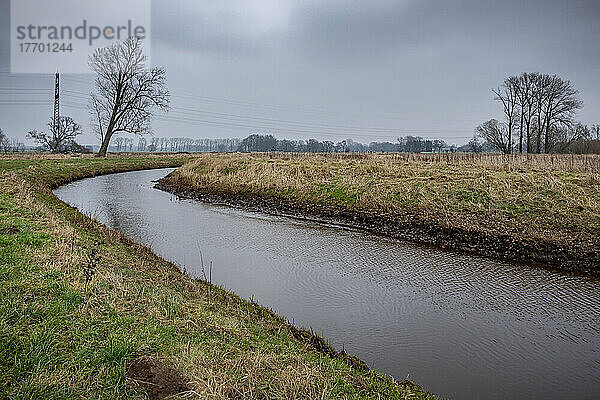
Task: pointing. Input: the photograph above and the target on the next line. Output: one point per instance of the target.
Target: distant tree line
(183, 144)
(268, 142)
(539, 117)
(414, 144)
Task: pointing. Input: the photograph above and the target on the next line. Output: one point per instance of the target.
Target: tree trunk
(528, 138)
(547, 138)
(104, 146)
(528, 127)
(538, 150)
(510, 140)
(521, 133)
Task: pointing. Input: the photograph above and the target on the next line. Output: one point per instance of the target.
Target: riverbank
(85, 312)
(535, 209)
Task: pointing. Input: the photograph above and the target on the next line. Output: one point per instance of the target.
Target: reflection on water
(462, 326)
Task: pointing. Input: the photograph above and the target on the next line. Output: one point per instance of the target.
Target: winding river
(462, 326)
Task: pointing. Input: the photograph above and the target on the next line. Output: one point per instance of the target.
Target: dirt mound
(157, 379)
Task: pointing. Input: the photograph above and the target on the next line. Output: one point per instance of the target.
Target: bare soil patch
(158, 380)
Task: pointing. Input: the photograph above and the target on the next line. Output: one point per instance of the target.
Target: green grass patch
(61, 339)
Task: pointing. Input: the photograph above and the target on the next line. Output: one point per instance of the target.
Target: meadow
(532, 208)
(86, 313)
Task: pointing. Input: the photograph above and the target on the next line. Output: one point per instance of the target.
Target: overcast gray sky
(366, 70)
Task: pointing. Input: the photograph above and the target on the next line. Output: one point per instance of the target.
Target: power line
(45, 90)
(270, 121)
(245, 127)
(242, 126)
(202, 117)
(23, 104)
(243, 103)
(255, 119)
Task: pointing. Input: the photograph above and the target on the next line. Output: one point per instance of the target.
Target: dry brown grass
(63, 340)
(549, 198)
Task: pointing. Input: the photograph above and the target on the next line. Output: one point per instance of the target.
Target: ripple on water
(463, 326)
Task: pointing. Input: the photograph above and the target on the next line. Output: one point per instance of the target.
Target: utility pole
(56, 116)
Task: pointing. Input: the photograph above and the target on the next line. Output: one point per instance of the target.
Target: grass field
(140, 323)
(542, 207)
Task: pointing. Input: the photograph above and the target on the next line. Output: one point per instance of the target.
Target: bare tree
(61, 136)
(5, 145)
(560, 139)
(16, 145)
(438, 145)
(541, 105)
(127, 91)
(527, 80)
(141, 146)
(561, 103)
(507, 94)
(120, 143)
(10, 145)
(524, 91)
(596, 131)
(555, 104)
(4, 142)
(540, 88)
(495, 134)
(154, 145)
(475, 144)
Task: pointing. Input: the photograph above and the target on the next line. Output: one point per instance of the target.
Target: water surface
(462, 326)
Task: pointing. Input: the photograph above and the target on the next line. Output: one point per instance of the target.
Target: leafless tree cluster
(256, 142)
(127, 91)
(8, 145)
(124, 143)
(142, 144)
(496, 135)
(61, 137)
(587, 140)
(174, 145)
(193, 145)
(475, 145)
(4, 141)
(410, 144)
(16, 146)
(539, 111)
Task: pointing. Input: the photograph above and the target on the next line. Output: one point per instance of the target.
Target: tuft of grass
(63, 339)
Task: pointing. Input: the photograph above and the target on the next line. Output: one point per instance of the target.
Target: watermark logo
(59, 35)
